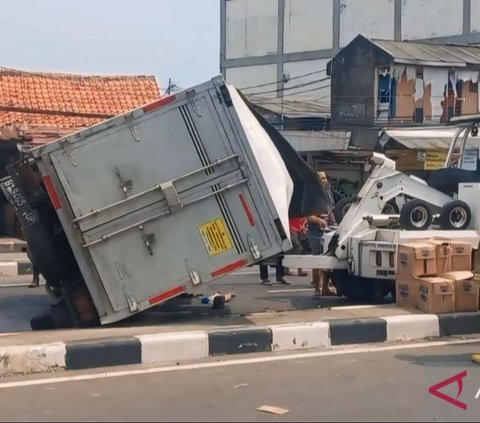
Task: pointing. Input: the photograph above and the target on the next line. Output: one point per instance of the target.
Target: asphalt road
(375, 386)
(18, 304)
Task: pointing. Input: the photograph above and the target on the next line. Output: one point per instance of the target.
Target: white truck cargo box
(166, 197)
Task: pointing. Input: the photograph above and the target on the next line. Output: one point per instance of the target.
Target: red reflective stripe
(52, 192)
(229, 268)
(167, 295)
(247, 209)
(159, 103)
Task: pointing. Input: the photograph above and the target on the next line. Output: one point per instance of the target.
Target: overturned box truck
(148, 205)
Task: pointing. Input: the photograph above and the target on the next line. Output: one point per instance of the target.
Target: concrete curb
(196, 345)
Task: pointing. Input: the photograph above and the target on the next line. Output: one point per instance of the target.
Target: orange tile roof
(69, 101)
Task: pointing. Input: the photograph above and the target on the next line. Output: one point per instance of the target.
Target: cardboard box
(406, 288)
(443, 255)
(416, 259)
(466, 290)
(461, 256)
(436, 295)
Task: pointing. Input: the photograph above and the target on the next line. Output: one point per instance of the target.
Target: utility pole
(285, 79)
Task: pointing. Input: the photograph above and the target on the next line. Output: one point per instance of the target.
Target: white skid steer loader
(392, 207)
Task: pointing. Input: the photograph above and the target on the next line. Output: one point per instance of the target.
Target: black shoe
(283, 282)
(266, 282)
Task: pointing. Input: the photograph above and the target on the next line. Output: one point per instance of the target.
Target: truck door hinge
(131, 300)
(124, 185)
(149, 240)
(132, 303)
(132, 128)
(254, 248)
(192, 100)
(194, 276)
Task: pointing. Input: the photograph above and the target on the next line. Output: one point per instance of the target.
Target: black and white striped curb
(185, 346)
(15, 268)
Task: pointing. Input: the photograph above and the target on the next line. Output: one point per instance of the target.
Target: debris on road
(218, 299)
(273, 410)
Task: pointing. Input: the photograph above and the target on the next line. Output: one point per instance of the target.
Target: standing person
(298, 228)
(316, 228)
(36, 273)
(279, 272)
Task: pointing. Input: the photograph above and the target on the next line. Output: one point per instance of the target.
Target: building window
(386, 94)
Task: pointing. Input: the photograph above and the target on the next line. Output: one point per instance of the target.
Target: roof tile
(36, 98)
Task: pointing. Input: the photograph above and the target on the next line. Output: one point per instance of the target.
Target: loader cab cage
(467, 126)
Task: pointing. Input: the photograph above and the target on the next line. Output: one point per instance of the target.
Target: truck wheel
(455, 215)
(415, 215)
(341, 208)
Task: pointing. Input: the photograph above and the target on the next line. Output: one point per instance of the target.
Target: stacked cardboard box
(435, 276)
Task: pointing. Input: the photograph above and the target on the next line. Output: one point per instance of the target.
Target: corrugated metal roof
(439, 138)
(409, 52)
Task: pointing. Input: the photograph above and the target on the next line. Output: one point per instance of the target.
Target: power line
(280, 81)
(254, 97)
(305, 84)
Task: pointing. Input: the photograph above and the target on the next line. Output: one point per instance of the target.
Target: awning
(432, 138)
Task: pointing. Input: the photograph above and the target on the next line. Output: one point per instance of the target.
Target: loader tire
(359, 289)
(455, 216)
(341, 208)
(416, 215)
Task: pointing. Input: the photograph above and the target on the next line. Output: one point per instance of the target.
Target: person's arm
(318, 220)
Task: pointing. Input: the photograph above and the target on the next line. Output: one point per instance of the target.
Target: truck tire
(415, 215)
(455, 216)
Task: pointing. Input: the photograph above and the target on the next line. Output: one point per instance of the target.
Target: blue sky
(166, 38)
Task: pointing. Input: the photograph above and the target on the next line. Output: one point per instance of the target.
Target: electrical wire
(305, 84)
(280, 81)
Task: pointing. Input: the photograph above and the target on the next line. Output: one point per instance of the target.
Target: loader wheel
(341, 208)
(360, 289)
(455, 215)
(390, 208)
(415, 215)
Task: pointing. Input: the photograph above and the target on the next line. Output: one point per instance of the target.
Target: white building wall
(252, 28)
(308, 88)
(308, 25)
(431, 18)
(372, 18)
(251, 76)
(475, 15)
(309, 33)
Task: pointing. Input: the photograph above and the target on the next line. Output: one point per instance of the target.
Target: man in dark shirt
(316, 228)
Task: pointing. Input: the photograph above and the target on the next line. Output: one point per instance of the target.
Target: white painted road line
(246, 361)
(278, 291)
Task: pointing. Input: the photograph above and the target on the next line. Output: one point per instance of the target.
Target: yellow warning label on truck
(215, 236)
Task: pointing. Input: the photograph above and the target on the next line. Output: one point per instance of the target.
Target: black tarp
(309, 195)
